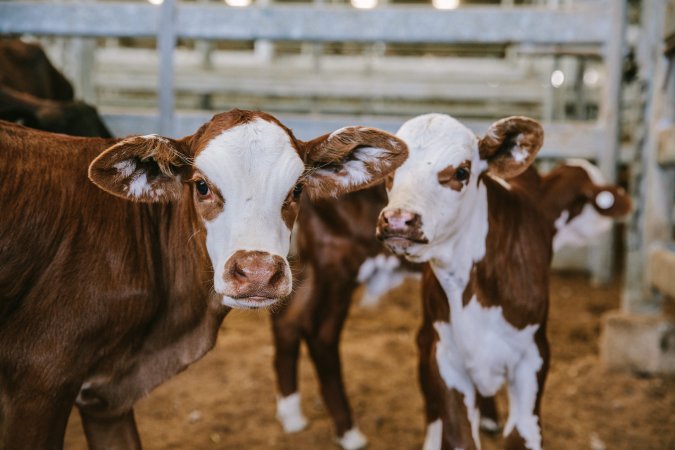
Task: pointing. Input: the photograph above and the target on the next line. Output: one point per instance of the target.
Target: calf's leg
(447, 412)
(34, 419)
(111, 433)
(287, 351)
(323, 327)
(526, 386)
(489, 418)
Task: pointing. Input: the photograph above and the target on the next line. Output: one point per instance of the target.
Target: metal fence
(588, 24)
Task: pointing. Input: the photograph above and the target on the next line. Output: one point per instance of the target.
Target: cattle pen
(597, 74)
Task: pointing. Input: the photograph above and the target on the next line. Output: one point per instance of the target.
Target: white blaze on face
(435, 141)
(589, 224)
(254, 165)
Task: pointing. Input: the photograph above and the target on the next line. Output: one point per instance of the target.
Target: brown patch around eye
(455, 177)
(289, 210)
(208, 206)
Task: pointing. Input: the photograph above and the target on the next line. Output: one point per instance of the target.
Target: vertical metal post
(166, 42)
(651, 202)
(602, 255)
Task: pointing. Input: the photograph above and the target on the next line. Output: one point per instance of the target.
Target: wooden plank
(662, 270)
(666, 156)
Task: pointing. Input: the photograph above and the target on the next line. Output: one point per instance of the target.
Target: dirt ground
(227, 400)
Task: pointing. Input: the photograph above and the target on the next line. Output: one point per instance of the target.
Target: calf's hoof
(352, 440)
(489, 426)
(289, 413)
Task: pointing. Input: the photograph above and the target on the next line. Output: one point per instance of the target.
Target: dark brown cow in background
(336, 251)
(34, 93)
(71, 117)
(26, 68)
(120, 258)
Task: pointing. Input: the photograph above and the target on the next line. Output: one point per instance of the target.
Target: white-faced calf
(336, 251)
(103, 297)
(485, 288)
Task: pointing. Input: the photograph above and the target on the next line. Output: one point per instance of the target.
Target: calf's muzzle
(256, 275)
(399, 229)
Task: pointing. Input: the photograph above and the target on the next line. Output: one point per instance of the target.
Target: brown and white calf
(337, 251)
(487, 245)
(120, 258)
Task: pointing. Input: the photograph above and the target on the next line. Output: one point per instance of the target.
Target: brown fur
(68, 116)
(94, 288)
(26, 68)
(447, 177)
(212, 205)
(322, 298)
(334, 238)
(505, 136)
(34, 93)
(512, 275)
(327, 152)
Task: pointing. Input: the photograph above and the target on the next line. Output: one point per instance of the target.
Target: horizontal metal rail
(586, 24)
(563, 140)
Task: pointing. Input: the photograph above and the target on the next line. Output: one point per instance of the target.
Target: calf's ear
(142, 168)
(510, 145)
(350, 159)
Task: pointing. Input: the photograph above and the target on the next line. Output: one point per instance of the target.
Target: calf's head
(432, 196)
(580, 202)
(242, 175)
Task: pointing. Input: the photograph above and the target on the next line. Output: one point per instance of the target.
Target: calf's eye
(461, 174)
(202, 187)
(297, 190)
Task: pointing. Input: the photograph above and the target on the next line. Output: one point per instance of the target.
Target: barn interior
(599, 76)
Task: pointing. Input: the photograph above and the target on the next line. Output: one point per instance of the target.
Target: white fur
(432, 440)
(139, 186)
(254, 165)
(477, 348)
(380, 275)
(125, 168)
(435, 141)
(289, 413)
(353, 439)
(519, 155)
(357, 172)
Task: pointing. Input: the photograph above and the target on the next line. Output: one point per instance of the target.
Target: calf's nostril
(238, 271)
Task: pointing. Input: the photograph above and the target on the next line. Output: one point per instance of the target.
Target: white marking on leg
(353, 439)
(455, 376)
(489, 425)
(289, 413)
(523, 388)
(432, 441)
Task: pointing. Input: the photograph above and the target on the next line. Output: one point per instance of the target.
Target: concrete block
(642, 343)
